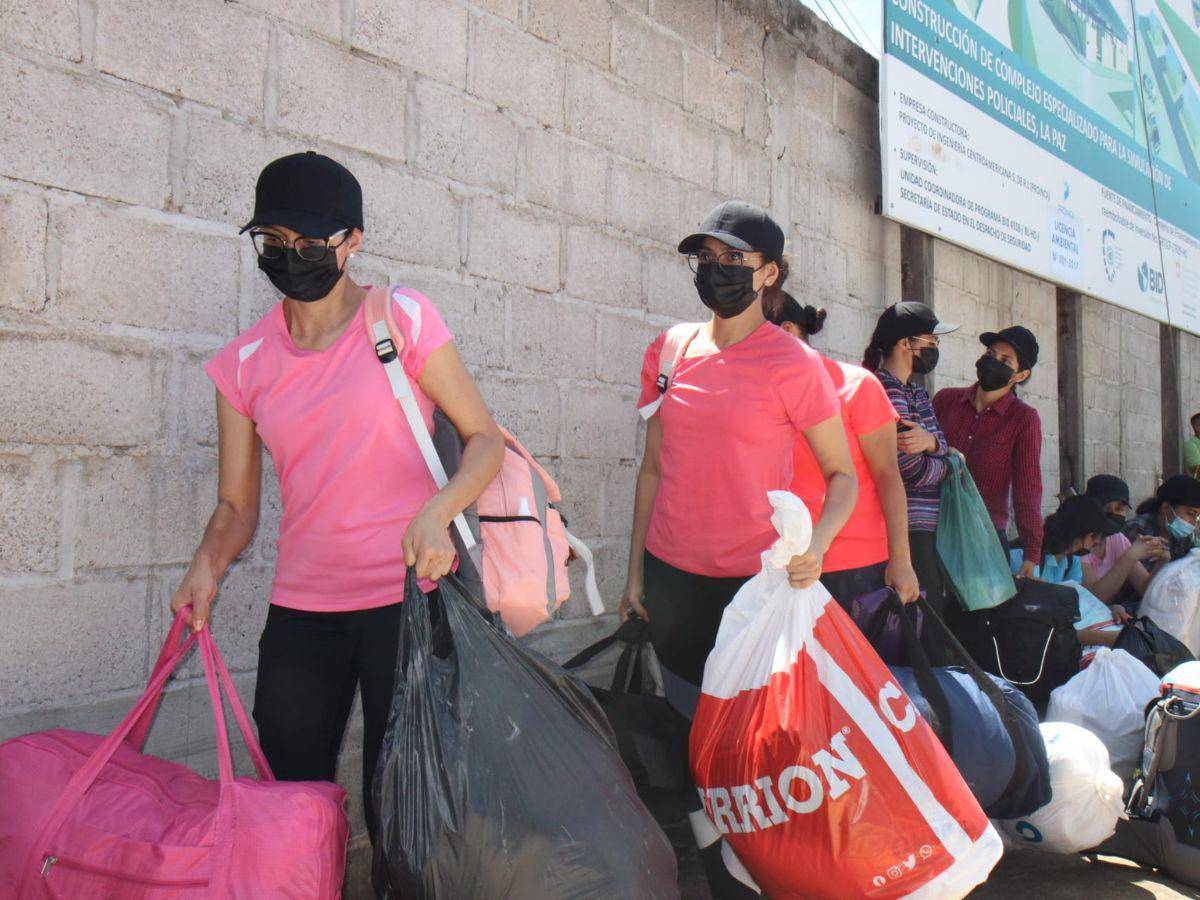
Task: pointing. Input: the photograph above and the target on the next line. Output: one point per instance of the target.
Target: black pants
(850, 584)
(685, 613)
(922, 547)
(309, 665)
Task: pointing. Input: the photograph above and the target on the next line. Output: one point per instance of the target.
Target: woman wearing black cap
(724, 401)
(905, 343)
(1171, 514)
(1110, 578)
(359, 504)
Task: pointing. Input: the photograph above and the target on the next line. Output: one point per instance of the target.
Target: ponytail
(773, 294)
(874, 354)
(809, 319)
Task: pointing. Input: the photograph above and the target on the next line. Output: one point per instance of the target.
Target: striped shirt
(922, 473)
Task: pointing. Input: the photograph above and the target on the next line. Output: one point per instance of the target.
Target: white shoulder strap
(676, 344)
(388, 353)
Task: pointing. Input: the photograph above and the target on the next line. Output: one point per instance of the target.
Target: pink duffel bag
(88, 817)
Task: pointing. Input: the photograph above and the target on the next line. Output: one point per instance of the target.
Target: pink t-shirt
(350, 475)
(729, 419)
(865, 408)
(1115, 546)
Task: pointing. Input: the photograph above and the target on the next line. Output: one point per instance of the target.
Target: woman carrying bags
(871, 550)
(359, 503)
(724, 401)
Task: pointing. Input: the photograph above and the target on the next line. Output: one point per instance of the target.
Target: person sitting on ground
(1170, 514)
(1105, 561)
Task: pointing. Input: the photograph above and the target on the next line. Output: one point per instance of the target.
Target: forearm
(923, 470)
(229, 531)
(1109, 584)
(841, 492)
(481, 458)
(895, 514)
(643, 504)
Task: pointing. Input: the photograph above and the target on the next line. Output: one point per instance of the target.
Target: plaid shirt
(1003, 447)
(922, 473)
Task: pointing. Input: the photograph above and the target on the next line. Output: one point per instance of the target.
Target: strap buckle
(662, 383)
(386, 350)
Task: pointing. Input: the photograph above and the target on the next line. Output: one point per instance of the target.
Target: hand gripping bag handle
(86, 775)
(137, 737)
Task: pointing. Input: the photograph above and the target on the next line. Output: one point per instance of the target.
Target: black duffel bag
(1145, 641)
(1030, 640)
(989, 729)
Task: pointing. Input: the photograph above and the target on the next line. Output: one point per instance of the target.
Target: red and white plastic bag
(813, 764)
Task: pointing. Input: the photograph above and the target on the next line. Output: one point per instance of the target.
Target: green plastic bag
(967, 543)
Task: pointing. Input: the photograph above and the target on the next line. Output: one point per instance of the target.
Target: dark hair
(1057, 535)
(771, 294)
(1195, 416)
(809, 319)
(876, 350)
(1149, 505)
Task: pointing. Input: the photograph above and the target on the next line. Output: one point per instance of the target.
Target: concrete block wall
(530, 164)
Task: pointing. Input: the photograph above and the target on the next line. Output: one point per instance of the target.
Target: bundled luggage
(1163, 829)
(1086, 803)
(499, 775)
(1150, 645)
(1108, 698)
(877, 615)
(967, 544)
(87, 816)
(811, 761)
(986, 725)
(1173, 601)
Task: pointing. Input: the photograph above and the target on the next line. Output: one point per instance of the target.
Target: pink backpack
(522, 545)
(87, 816)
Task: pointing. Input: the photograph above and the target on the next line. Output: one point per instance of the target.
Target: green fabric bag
(968, 545)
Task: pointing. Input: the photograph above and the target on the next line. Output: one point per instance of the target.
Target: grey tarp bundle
(499, 775)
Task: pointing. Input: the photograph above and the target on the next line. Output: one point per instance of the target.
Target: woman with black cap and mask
(724, 401)
(1171, 514)
(359, 504)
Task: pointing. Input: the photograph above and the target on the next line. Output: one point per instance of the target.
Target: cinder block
(116, 513)
(222, 163)
(119, 267)
(508, 9)
(694, 205)
(359, 103)
(85, 135)
(565, 174)
(474, 313)
(550, 337)
(815, 83)
(715, 91)
(465, 140)
(756, 123)
(601, 422)
(184, 499)
(517, 71)
(65, 642)
(620, 483)
(623, 342)
(426, 35)
(101, 393)
(240, 613)
(582, 485)
(669, 288)
(51, 26)
(528, 407)
(30, 515)
(855, 113)
(947, 264)
(197, 404)
(22, 251)
(603, 268)
(513, 245)
(647, 56)
(741, 41)
(743, 171)
(683, 144)
(186, 47)
(582, 29)
(606, 113)
(693, 20)
(409, 219)
(320, 16)
(644, 202)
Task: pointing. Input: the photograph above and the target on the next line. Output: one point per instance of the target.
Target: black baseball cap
(1082, 515)
(1022, 341)
(1106, 489)
(743, 226)
(906, 319)
(1179, 489)
(309, 193)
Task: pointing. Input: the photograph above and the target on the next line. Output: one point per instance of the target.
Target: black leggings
(685, 613)
(309, 665)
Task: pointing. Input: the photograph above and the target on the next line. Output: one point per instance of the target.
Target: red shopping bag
(812, 762)
(88, 816)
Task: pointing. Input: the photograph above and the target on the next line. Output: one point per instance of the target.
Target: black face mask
(1082, 551)
(302, 279)
(992, 373)
(1117, 520)
(726, 293)
(925, 361)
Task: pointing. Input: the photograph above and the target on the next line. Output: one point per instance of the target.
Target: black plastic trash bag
(499, 776)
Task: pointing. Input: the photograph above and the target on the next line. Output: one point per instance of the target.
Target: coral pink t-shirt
(351, 477)
(729, 420)
(865, 408)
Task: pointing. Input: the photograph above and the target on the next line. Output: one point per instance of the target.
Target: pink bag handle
(552, 489)
(137, 737)
(216, 675)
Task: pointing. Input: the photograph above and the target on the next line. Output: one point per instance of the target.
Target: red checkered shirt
(1003, 447)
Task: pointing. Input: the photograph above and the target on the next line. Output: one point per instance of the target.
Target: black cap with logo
(1021, 339)
(907, 319)
(308, 193)
(743, 226)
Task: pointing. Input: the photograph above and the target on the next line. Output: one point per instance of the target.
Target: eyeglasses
(728, 262)
(270, 245)
(933, 342)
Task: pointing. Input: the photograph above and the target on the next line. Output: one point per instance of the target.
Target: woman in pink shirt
(719, 436)
(359, 504)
